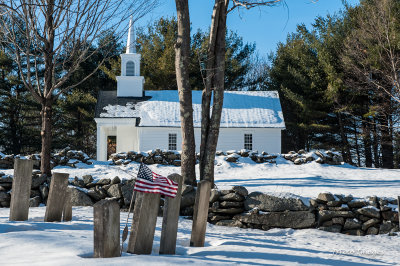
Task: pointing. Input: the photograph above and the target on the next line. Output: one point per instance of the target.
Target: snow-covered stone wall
(236, 207)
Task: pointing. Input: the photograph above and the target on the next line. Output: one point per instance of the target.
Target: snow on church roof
(242, 109)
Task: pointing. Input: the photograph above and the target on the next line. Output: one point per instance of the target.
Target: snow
(371, 207)
(71, 243)
(283, 179)
(242, 109)
(120, 111)
(35, 242)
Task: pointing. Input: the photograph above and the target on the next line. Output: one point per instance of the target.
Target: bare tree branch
(57, 36)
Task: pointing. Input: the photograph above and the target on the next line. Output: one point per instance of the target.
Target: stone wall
(85, 191)
(328, 212)
(167, 157)
(331, 157)
(71, 157)
(66, 156)
(236, 207)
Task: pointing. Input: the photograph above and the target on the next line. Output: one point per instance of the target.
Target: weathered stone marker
(170, 219)
(21, 190)
(200, 214)
(56, 199)
(143, 223)
(67, 210)
(106, 229)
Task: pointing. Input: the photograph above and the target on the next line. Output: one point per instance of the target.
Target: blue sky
(265, 26)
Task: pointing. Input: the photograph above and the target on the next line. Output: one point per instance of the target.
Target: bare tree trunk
(207, 91)
(367, 143)
(375, 144)
(345, 143)
(356, 142)
(215, 83)
(46, 136)
(47, 102)
(386, 143)
(182, 61)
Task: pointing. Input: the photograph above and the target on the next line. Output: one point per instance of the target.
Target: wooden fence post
(21, 190)
(170, 219)
(200, 214)
(106, 235)
(144, 223)
(67, 210)
(56, 199)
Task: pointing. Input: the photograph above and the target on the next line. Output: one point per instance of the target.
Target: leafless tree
(371, 59)
(57, 36)
(213, 84)
(214, 81)
(182, 62)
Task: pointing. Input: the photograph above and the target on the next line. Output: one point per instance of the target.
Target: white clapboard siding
(126, 138)
(264, 139)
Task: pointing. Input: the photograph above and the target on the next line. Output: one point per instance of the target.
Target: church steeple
(130, 83)
(130, 45)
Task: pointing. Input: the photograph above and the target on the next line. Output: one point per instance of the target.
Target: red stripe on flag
(146, 186)
(143, 185)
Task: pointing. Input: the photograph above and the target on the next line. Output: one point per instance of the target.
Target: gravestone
(56, 199)
(170, 219)
(143, 223)
(21, 190)
(67, 210)
(200, 214)
(106, 229)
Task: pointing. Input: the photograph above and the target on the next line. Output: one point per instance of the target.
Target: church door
(111, 145)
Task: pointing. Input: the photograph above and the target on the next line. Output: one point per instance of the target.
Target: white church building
(131, 119)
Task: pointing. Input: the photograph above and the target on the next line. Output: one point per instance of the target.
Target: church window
(130, 68)
(172, 142)
(248, 141)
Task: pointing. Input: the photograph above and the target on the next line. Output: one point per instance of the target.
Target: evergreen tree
(19, 131)
(156, 45)
(301, 82)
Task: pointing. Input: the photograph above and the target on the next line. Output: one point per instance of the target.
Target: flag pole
(125, 232)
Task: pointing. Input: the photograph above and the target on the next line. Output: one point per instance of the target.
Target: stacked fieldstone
(233, 156)
(343, 214)
(168, 157)
(267, 211)
(5, 187)
(225, 204)
(301, 157)
(84, 191)
(165, 157)
(6, 161)
(87, 191)
(333, 213)
(66, 156)
(187, 200)
(236, 207)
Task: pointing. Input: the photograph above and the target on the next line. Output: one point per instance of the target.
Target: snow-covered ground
(37, 243)
(71, 243)
(307, 180)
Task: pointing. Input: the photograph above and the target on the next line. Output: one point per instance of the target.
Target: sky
(265, 26)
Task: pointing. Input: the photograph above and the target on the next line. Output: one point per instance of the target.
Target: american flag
(149, 182)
